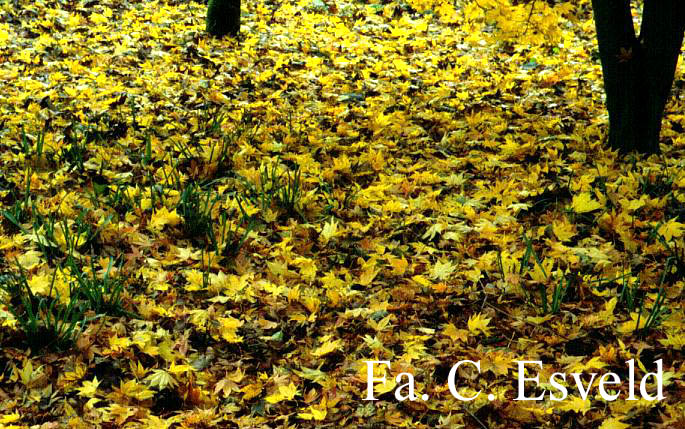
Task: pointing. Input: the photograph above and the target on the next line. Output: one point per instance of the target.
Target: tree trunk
(638, 72)
(223, 17)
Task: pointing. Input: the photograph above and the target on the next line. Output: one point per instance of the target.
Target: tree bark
(223, 17)
(638, 72)
(663, 22)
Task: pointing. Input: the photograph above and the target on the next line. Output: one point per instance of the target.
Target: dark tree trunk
(223, 17)
(638, 72)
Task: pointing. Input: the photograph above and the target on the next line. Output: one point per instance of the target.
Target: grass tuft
(195, 206)
(277, 190)
(45, 321)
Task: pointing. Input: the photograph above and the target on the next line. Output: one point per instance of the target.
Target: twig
(475, 418)
(529, 323)
(530, 15)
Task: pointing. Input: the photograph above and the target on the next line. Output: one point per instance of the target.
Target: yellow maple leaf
(180, 369)
(40, 283)
(10, 418)
(327, 347)
(583, 203)
(613, 423)
(251, 390)
(89, 388)
(671, 229)
(421, 280)
(632, 205)
(594, 363)
(285, 393)
(163, 217)
(677, 341)
(538, 320)
(316, 412)
(196, 280)
(497, 362)
(330, 229)
(603, 317)
(289, 391)
(307, 269)
(55, 282)
(229, 325)
(477, 323)
(382, 388)
(399, 266)
(367, 276)
(133, 389)
(564, 231)
(4, 33)
(161, 379)
(455, 334)
(575, 403)
(275, 398)
(30, 259)
(442, 270)
(154, 422)
(631, 325)
(401, 67)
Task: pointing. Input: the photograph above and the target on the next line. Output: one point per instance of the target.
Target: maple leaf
(583, 203)
(399, 266)
(613, 423)
(29, 260)
(477, 323)
(284, 393)
(4, 33)
(137, 369)
(564, 231)
(133, 389)
(179, 369)
(315, 375)
(594, 363)
(154, 422)
(251, 391)
(604, 317)
(436, 228)
(40, 283)
(10, 418)
(497, 362)
(315, 412)
(89, 388)
(575, 403)
(327, 347)
(225, 386)
(367, 275)
(625, 54)
(677, 341)
(160, 379)
(228, 330)
(328, 231)
(442, 270)
(163, 217)
(671, 229)
(451, 331)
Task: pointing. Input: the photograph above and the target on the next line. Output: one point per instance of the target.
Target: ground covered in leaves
(200, 232)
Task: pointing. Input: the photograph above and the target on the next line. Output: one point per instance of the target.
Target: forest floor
(219, 233)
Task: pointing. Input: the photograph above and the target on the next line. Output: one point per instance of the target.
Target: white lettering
(453, 374)
(558, 386)
(370, 378)
(659, 376)
(410, 384)
(579, 383)
(602, 392)
(522, 380)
